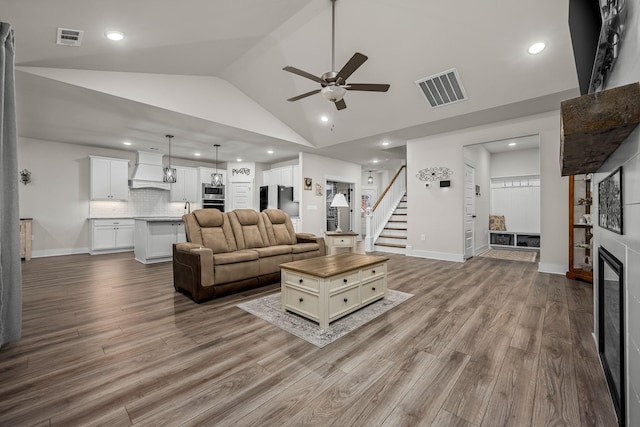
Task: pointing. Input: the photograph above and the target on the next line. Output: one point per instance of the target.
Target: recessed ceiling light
(238, 160)
(270, 151)
(537, 48)
(126, 143)
(324, 118)
(385, 143)
(511, 144)
(375, 161)
(196, 154)
(116, 36)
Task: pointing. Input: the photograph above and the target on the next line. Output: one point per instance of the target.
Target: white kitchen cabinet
(108, 178)
(267, 177)
(285, 175)
(111, 235)
(154, 238)
(186, 186)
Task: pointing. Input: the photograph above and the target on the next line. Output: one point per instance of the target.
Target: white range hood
(148, 172)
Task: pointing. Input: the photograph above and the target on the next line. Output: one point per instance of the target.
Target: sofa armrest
(193, 270)
(187, 246)
(312, 238)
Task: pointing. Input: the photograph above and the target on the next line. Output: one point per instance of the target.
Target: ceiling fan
(334, 84)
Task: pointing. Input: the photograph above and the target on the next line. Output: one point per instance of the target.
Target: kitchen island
(155, 236)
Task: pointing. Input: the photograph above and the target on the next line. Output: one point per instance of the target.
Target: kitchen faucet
(187, 203)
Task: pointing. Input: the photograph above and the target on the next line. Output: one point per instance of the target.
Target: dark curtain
(10, 264)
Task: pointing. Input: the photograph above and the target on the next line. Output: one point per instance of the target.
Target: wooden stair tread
(391, 228)
(397, 220)
(383, 236)
(391, 245)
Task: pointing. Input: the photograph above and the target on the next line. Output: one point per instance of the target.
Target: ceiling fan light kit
(334, 84)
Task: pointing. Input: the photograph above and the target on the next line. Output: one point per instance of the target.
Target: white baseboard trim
(59, 252)
(544, 267)
(442, 256)
(481, 249)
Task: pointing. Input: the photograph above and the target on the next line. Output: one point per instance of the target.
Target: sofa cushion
(235, 257)
(273, 251)
(279, 227)
(209, 217)
(249, 229)
(304, 247)
(211, 229)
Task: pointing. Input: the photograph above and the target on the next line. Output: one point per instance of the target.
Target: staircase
(393, 238)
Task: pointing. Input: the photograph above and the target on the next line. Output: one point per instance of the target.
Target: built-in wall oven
(213, 204)
(213, 196)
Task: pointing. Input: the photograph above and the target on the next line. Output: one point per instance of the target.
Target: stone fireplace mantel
(594, 126)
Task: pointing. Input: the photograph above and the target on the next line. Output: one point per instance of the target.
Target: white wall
(478, 157)
(515, 163)
(626, 247)
(321, 169)
(438, 214)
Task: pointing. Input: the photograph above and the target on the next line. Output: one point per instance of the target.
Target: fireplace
(611, 331)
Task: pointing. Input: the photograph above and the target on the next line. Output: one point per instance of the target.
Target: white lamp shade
(339, 201)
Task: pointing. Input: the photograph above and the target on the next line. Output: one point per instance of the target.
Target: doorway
(346, 215)
(469, 210)
(506, 182)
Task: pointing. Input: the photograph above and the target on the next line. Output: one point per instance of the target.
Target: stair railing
(380, 213)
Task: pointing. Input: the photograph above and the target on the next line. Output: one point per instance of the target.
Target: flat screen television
(596, 28)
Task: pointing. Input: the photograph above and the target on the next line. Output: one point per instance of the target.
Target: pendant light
(169, 173)
(370, 179)
(216, 178)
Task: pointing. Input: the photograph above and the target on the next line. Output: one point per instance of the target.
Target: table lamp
(339, 201)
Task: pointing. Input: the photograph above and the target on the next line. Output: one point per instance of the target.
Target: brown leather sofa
(229, 252)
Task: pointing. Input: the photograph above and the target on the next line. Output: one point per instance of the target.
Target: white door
(469, 210)
(241, 195)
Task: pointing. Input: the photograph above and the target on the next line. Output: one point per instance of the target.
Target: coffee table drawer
(373, 290)
(343, 302)
(300, 280)
(302, 302)
(376, 270)
(344, 280)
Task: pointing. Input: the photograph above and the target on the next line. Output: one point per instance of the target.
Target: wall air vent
(69, 37)
(443, 88)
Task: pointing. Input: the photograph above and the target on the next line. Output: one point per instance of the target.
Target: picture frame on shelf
(610, 203)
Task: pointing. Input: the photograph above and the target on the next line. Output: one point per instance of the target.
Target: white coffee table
(327, 288)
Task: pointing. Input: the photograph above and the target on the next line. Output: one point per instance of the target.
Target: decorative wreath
(438, 173)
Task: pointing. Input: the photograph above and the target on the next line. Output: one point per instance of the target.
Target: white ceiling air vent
(442, 89)
(69, 37)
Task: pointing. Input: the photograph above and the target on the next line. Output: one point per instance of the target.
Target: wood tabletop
(331, 265)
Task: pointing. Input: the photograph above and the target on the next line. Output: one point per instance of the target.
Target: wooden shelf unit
(580, 230)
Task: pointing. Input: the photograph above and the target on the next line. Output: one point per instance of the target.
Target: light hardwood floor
(107, 341)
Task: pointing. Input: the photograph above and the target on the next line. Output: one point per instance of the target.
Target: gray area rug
(269, 308)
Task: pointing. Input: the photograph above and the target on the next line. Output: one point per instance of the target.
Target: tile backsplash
(142, 202)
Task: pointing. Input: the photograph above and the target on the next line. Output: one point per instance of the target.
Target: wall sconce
(25, 177)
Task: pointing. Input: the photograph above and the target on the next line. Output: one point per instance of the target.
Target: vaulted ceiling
(246, 43)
